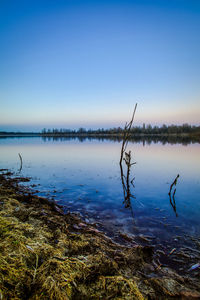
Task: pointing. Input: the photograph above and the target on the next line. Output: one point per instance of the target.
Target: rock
(59, 210)
(82, 225)
(146, 253)
(91, 229)
(126, 237)
(29, 247)
(75, 226)
(144, 238)
(160, 252)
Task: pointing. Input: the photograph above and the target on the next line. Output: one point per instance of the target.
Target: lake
(84, 176)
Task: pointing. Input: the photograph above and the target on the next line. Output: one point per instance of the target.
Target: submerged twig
(172, 196)
(21, 162)
(173, 183)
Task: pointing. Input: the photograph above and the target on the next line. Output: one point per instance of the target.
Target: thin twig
(21, 162)
(126, 135)
(172, 196)
(173, 183)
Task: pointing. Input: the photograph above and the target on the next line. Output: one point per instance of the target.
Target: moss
(56, 278)
(119, 287)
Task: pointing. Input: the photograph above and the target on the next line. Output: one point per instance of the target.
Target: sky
(71, 64)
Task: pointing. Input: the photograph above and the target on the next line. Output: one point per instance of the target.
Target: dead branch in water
(173, 183)
(126, 135)
(126, 157)
(172, 196)
(21, 162)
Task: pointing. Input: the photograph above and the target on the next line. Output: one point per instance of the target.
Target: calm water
(85, 178)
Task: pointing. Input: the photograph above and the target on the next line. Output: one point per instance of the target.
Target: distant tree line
(145, 129)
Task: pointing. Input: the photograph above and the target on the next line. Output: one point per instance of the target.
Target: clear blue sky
(83, 63)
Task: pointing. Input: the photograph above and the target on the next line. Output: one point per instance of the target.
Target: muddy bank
(45, 254)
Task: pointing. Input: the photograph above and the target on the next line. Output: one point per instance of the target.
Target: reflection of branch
(21, 163)
(126, 191)
(172, 196)
(126, 157)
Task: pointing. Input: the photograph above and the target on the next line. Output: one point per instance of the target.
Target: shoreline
(46, 254)
(100, 135)
(183, 138)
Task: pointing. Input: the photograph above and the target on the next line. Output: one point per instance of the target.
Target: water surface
(84, 176)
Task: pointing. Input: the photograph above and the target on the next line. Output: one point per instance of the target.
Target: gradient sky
(83, 63)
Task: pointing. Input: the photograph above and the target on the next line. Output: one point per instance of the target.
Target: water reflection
(126, 184)
(21, 163)
(145, 140)
(85, 177)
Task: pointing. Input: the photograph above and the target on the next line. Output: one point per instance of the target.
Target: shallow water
(84, 176)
